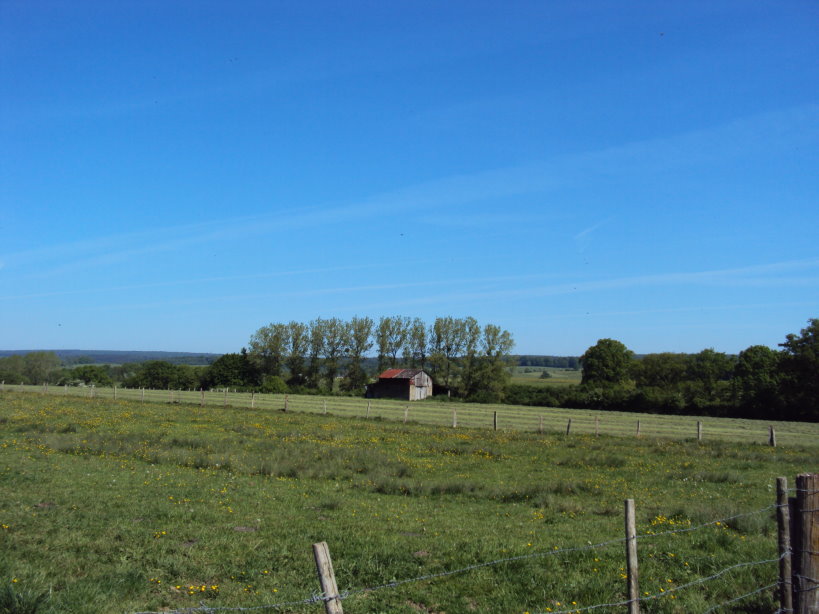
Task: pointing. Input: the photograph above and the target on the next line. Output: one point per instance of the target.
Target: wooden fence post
(325, 406)
(327, 579)
(201, 397)
(454, 418)
(115, 392)
(368, 408)
(406, 413)
(806, 545)
(65, 390)
(631, 559)
(772, 436)
(699, 430)
(784, 542)
(495, 421)
(253, 400)
(142, 395)
(225, 402)
(597, 427)
(170, 395)
(540, 425)
(285, 402)
(638, 428)
(569, 427)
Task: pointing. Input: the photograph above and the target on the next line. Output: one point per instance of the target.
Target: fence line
(346, 594)
(673, 589)
(520, 418)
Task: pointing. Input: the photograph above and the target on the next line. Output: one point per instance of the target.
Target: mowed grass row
(476, 415)
(125, 506)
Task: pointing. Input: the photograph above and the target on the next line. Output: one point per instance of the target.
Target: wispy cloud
(764, 132)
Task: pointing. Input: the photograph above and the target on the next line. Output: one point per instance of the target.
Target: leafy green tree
(606, 363)
(470, 362)
(708, 368)
(756, 381)
(232, 370)
(446, 339)
(13, 369)
(41, 367)
(98, 375)
(159, 374)
(800, 372)
(391, 335)
(415, 350)
(493, 375)
(316, 351)
(298, 348)
(335, 341)
(268, 347)
(358, 337)
(664, 370)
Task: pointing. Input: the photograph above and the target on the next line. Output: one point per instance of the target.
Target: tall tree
(416, 347)
(335, 341)
(470, 362)
(268, 347)
(756, 380)
(298, 348)
(316, 351)
(494, 363)
(800, 372)
(606, 363)
(446, 342)
(391, 335)
(359, 342)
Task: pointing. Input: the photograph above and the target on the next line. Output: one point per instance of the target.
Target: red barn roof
(399, 373)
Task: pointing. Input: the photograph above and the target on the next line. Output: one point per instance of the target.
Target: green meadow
(127, 506)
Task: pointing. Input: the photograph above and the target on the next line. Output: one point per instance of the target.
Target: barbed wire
(316, 598)
(707, 524)
(432, 576)
(668, 591)
(741, 597)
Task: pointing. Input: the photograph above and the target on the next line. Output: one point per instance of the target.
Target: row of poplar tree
(462, 356)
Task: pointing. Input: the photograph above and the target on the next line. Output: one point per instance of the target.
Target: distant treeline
(558, 362)
(758, 383)
(119, 357)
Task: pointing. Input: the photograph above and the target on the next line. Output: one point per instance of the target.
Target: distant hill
(118, 357)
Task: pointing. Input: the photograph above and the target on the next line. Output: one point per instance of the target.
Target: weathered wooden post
(406, 413)
(540, 425)
(325, 406)
(115, 392)
(170, 395)
(569, 427)
(597, 427)
(368, 408)
(772, 436)
(327, 579)
(495, 421)
(631, 559)
(65, 390)
(253, 400)
(638, 428)
(699, 430)
(142, 395)
(784, 542)
(285, 402)
(806, 545)
(201, 397)
(454, 418)
(224, 404)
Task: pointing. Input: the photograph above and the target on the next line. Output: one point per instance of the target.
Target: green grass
(122, 506)
(531, 376)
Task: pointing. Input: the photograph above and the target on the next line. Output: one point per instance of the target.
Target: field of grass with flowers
(121, 506)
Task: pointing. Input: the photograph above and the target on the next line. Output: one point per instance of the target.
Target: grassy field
(531, 376)
(122, 506)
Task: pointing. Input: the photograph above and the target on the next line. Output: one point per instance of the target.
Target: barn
(405, 384)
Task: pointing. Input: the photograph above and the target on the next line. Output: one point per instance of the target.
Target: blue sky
(174, 175)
